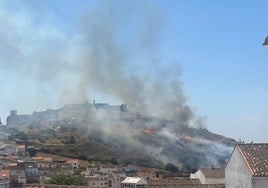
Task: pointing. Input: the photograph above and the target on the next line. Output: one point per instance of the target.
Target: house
(108, 169)
(97, 181)
(74, 163)
(44, 171)
(4, 178)
(134, 182)
(182, 182)
(108, 176)
(247, 166)
(209, 175)
(21, 150)
(146, 174)
(31, 170)
(21, 178)
(4, 183)
(11, 149)
(16, 175)
(48, 159)
(3, 135)
(43, 162)
(91, 170)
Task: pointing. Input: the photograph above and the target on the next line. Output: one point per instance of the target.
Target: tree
(18, 136)
(32, 152)
(171, 167)
(72, 140)
(42, 139)
(82, 157)
(68, 140)
(67, 179)
(114, 161)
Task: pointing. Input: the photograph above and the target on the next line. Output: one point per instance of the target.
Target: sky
(67, 51)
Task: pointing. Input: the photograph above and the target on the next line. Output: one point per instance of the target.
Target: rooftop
(134, 180)
(216, 173)
(21, 146)
(171, 182)
(256, 158)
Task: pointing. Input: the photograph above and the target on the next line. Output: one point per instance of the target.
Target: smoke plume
(112, 51)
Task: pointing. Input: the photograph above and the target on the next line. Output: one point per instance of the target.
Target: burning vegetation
(122, 133)
(158, 123)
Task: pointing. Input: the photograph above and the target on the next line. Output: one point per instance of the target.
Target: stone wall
(149, 186)
(51, 186)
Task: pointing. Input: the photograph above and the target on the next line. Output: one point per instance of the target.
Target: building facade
(134, 182)
(209, 175)
(247, 167)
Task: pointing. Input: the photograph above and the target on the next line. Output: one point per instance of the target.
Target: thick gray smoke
(131, 72)
(114, 51)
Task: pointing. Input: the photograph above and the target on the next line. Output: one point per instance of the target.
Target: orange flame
(148, 131)
(187, 137)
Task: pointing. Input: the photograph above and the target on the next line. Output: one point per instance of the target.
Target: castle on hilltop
(69, 110)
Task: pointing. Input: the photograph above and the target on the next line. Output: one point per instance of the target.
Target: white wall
(237, 174)
(215, 181)
(198, 175)
(260, 182)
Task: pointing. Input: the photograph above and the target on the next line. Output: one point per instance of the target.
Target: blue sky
(214, 46)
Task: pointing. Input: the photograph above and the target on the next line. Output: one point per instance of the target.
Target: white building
(247, 167)
(134, 182)
(11, 149)
(107, 169)
(4, 183)
(17, 174)
(3, 135)
(31, 170)
(104, 177)
(209, 175)
(21, 149)
(74, 163)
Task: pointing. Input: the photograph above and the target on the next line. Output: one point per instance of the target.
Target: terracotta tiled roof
(48, 159)
(215, 173)
(37, 158)
(134, 180)
(72, 161)
(256, 158)
(173, 182)
(21, 146)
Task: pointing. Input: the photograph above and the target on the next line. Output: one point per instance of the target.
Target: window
(110, 183)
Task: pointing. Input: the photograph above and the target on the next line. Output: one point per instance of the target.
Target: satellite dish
(266, 41)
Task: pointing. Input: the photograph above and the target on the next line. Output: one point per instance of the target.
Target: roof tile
(215, 173)
(256, 158)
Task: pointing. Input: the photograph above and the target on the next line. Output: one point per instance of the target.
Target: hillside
(102, 132)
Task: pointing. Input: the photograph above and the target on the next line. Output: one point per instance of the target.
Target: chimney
(212, 165)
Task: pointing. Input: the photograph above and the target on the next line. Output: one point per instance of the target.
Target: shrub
(66, 179)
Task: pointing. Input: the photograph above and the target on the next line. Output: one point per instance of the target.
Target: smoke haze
(104, 55)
